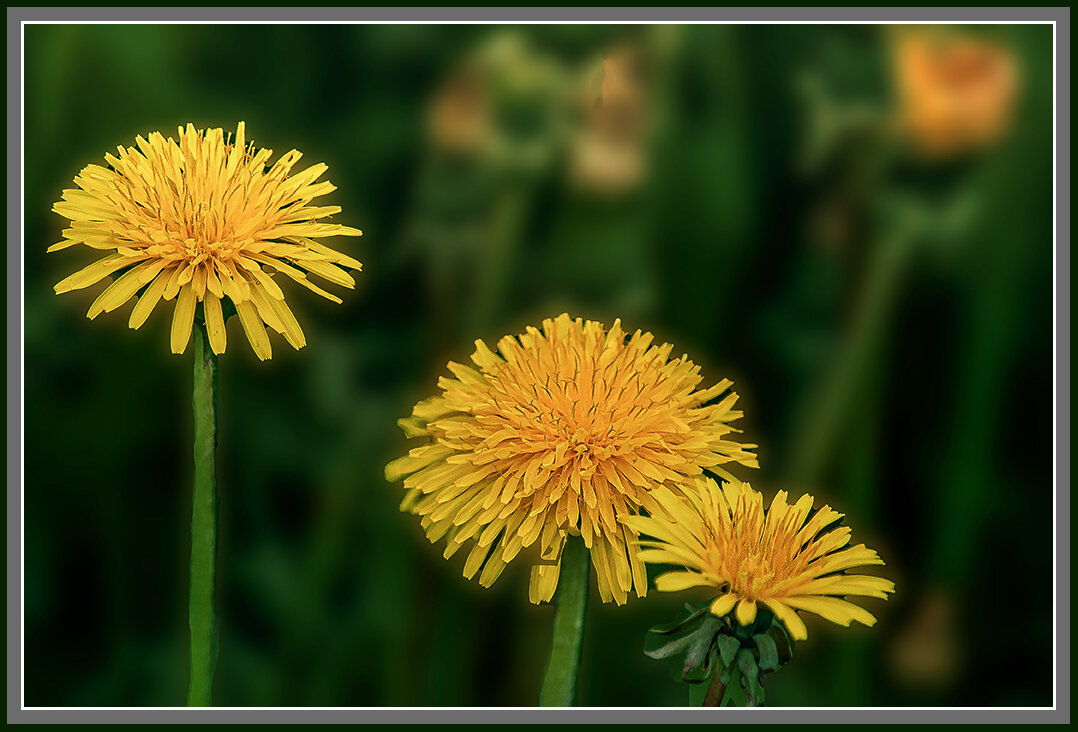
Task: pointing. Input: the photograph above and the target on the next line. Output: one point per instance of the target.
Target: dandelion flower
(957, 93)
(784, 560)
(199, 220)
(568, 431)
(609, 153)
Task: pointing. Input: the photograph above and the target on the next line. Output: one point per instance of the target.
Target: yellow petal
(678, 581)
(292, 332)
(636, 564)
(475, 559)
(182, 319)
(833, 609)
(172, 286)
(295, 275)
(93, 273)
(252, 326)
(416, 460)
(149, 299)
(215, 323)
(789, 619)
(857, 556)
(120, 291)
(329, 272)
(746, 612)
(492, 571)
(723, 604)
(544, 581)
(271, 287)
(334, 256)
(266, 311)
(484, 357)
(848, 584)
(670, 555)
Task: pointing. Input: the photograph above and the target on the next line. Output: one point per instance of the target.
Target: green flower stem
(571, 604)
(203, 617)
(716, 690)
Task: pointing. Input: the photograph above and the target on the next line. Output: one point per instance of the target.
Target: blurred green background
(748, 193)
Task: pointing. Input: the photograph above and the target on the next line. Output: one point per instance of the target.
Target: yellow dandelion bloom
(200, 219)
(783, 559)
(566, 432)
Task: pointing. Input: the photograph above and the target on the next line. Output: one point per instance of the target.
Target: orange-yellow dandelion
(956, 92)
(200, 219)
(783, 559)
(567, 431)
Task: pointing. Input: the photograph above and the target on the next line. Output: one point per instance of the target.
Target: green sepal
(704, 671)
(696, 646)
(728, 647)
(764, 620)
(783, 644)
(750, 677)
(768, 652)
(735, 692)
(697, 656)
(694, 615)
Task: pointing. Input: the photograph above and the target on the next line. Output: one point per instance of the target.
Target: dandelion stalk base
(203, 616)
(716, 690)
(571, 604)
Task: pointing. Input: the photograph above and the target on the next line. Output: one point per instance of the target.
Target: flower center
(196, 250)
(590, 448)
(755, 572)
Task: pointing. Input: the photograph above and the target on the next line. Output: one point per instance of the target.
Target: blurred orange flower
(459, 119)
(956, 92)
(609, 154)
(928, 652)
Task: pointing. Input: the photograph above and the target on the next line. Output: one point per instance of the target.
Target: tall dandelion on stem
(205, 220)
(565, 432)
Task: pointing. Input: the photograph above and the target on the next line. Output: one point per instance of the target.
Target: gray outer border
(18, 714)
(540, 14)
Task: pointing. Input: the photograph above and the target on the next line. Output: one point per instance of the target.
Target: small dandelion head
(567, 431)
(200, 219)
(783, 559)
(956, 92)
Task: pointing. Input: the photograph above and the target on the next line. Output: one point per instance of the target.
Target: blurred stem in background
(203, 616)
(571, 604)
(828, 406)
(507, 222)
